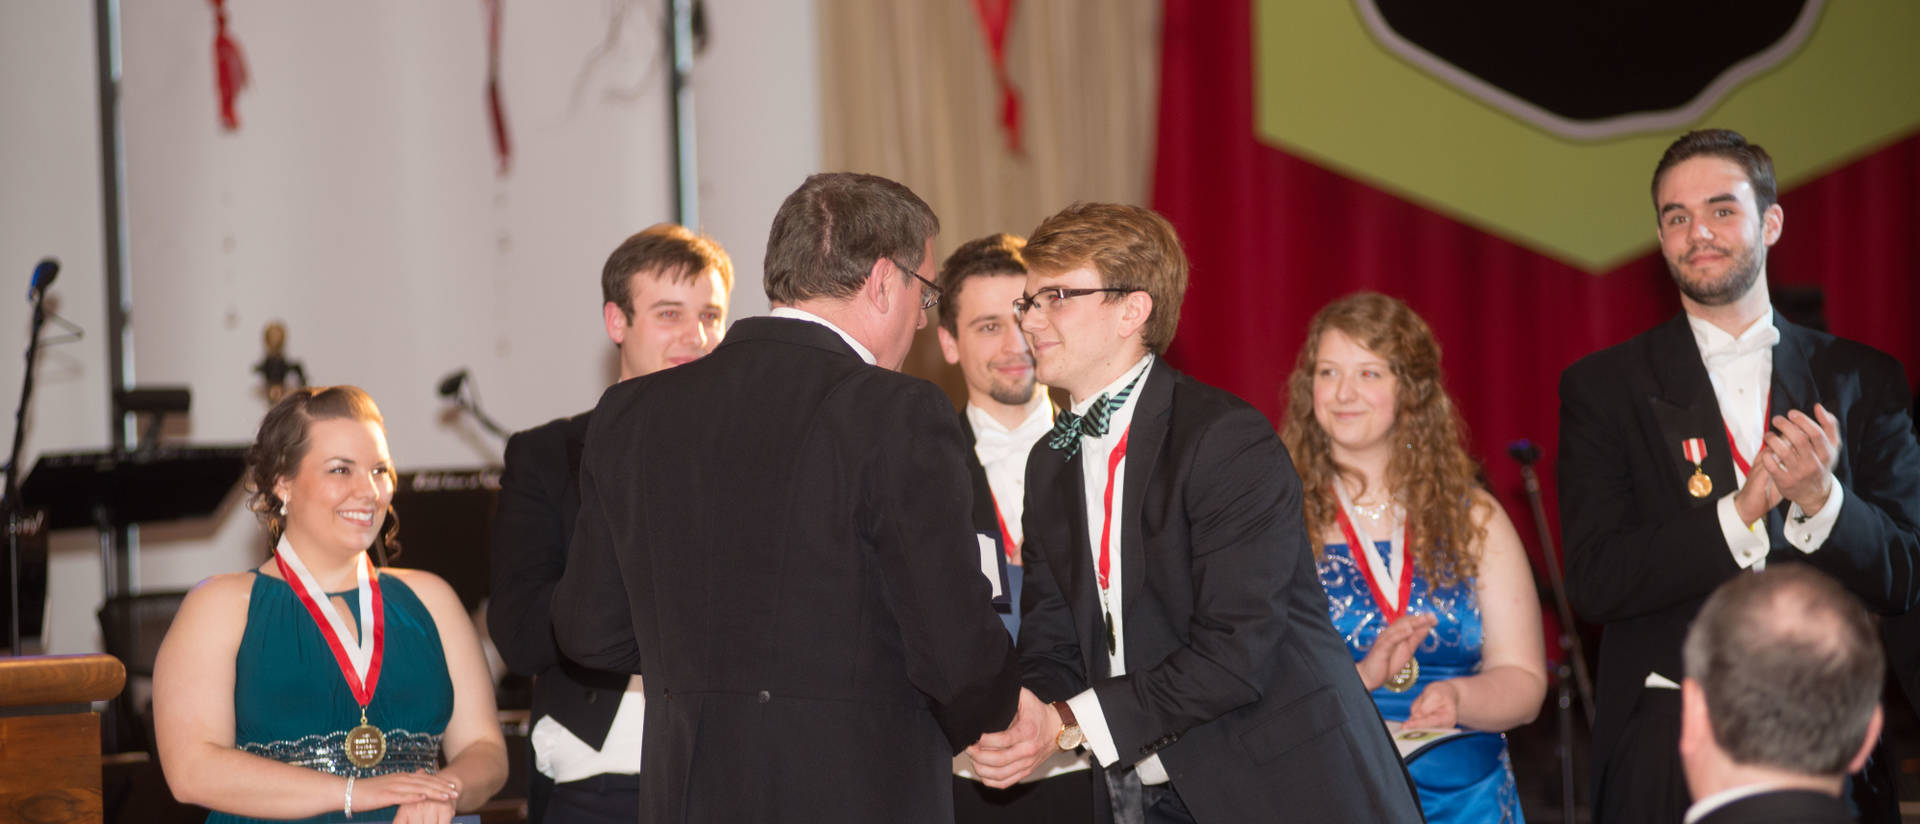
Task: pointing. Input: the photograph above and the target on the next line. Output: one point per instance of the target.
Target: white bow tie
(1733, 350)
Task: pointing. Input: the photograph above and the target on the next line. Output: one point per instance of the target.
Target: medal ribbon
(1006, 537)
(1391, 609)
(1106, 520)
(360, 664)
(1695, 450)
(1739, 460)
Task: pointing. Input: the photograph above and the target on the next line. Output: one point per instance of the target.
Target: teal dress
(291, 704)
(1463, 779)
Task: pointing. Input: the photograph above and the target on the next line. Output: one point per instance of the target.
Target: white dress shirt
(1094, 452)
(1003, 454)
(802, 314)
(1741, 369)
(560, 755)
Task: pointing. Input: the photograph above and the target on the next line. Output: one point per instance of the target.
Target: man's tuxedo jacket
(532, 526)
(779, 536)
(1644, 554)
(1235, 677)
(1782, 807)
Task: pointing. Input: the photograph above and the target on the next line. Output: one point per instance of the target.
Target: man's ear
(1772, 222)
(880, 290)
(1696, 729)
(1874, 726)
(616, 319)
(1137, 307)
(949, 347)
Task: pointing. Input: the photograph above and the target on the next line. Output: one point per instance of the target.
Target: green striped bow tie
(1068, 428)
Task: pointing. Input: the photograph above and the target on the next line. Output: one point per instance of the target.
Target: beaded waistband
(406, 752)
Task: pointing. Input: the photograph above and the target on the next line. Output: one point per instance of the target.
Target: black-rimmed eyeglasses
(928, 298)
(1045, 299)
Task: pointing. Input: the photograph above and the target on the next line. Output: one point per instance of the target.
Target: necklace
(1375, 511)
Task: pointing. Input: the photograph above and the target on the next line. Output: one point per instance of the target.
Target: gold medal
(1405, 678)
(1699, 486)
(366, 745)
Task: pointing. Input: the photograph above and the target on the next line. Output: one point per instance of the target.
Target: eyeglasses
(1045, 299)
(930, 297)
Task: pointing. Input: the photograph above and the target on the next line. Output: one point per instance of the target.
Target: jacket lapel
(1684, 407)
(1144, 441)
(1077, 581)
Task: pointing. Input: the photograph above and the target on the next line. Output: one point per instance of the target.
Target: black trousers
(601, 799)
(1066, 799)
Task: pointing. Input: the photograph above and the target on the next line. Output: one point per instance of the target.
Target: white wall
(359, 204)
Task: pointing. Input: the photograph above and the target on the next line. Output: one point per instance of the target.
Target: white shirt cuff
(1808, 532)
(1093, 725)
(1749, 545)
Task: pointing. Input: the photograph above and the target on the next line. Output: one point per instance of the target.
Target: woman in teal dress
(1424, 573)
(315, 687)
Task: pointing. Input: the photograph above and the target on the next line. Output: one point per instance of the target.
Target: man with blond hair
(1171, 618)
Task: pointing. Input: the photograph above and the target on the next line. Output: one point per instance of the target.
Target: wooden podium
(50, 735)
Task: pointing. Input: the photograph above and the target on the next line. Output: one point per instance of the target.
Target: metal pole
(118, 550)
(686, 178)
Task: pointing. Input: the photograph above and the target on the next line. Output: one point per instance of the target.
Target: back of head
(664, 250)
(994, 255)
(1790, 665)
(830, 231)
(1131, 248)
(1726, 144)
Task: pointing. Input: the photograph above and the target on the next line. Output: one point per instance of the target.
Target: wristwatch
(1070, 735)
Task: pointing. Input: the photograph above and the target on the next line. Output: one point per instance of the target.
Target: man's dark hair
(1722, 143)
(995, 254)
(1791, 667)
(830, 231)
(664, 250)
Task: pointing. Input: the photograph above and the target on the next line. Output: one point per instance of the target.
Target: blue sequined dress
(291, 704)
(1463, 779)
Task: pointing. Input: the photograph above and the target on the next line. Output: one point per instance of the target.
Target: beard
(1729, 287)
(1015, 392)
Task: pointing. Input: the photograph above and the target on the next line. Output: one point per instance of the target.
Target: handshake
(1001, 759)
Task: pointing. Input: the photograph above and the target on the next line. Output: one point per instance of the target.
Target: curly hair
(282, 443)
(1433, 477)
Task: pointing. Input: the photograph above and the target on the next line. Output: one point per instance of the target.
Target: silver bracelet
(348, 807)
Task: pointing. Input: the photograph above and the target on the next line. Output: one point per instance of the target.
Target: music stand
(112, 489)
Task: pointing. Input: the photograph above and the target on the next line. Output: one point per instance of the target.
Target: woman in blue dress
(315, 687)
(1425, 576)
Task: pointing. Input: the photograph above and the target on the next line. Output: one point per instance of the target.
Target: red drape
(1273, 238)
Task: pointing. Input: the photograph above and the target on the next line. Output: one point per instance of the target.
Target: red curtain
(1273, 238)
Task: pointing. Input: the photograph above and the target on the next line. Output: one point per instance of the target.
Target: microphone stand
(467, 399)
(14, 508)
(1571, 673)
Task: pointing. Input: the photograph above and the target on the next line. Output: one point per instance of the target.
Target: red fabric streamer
(994, 15)
(229, 67)
(501, 145)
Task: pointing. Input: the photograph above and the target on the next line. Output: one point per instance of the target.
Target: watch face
(1070, 737)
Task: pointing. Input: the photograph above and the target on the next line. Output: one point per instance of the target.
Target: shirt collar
(802, 314)
(1709, 337)
(1139, 367)
(1701, 808)
(1039, 418)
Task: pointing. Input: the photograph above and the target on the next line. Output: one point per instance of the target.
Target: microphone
(1524, 451)
(43, 274)
(450, 385)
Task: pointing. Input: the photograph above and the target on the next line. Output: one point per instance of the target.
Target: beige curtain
(909, 93)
